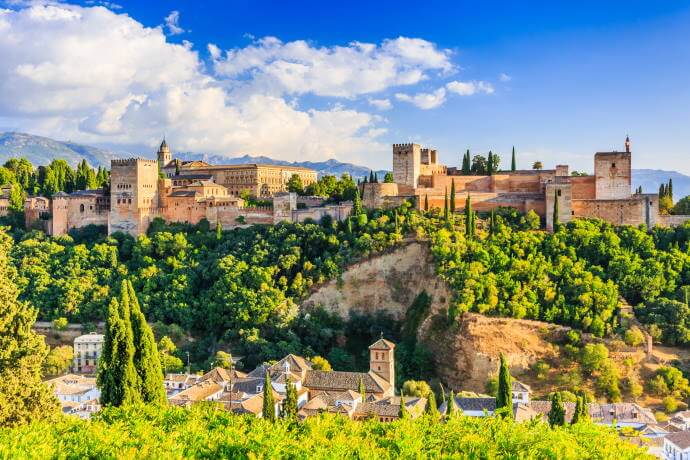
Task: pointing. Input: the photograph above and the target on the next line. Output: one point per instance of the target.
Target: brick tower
(382, 359)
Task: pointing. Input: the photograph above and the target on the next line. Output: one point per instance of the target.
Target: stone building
(143, 190)
(87, 352)
(606, 195)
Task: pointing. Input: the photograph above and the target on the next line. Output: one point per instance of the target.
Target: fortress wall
(672, 221)
(584, 187)
(618, 212)
(83, 211)
(337, 212)
(528, 183)
(613, 172)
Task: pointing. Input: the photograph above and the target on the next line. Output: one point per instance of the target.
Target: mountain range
(42, 150)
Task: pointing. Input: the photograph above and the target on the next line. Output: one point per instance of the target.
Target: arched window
(81, 207)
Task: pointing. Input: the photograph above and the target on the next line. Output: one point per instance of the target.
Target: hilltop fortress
(175, 191)
(606, 195)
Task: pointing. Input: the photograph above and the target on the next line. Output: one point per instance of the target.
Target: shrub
(633, 337)
(670, 404)
(594, 356)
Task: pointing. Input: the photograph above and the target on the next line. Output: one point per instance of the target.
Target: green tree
(320, 363)
(419, 389)
(362, 389)
(388, 178)
(289, 410)
(445, 206)
(504, 395)
(469, 218)
(490, 164)
(58, 361)
(146, 358)
(219, 230)
(223, 359)
(23, 397)
(431, 407)
(538, 165)
(426, 202)
(357, 204)
(557, 411)
(166, 350)
(451, 409)
(452, 196)
(268, 411)
(556, 212)
(402, 411)
(295, 184)
(513, 162)
(578, 411)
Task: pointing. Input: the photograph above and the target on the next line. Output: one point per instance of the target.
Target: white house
(75, 388)
(87, 352)
(677, 446)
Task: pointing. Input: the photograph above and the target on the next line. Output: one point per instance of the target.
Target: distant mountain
(323, 168)
(42, 150)
(651, 179)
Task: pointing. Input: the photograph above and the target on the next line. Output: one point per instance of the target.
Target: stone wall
(406, 164)
(632, 211)
(613, 172)
(563, 192)
(672, 221)
(338, 212)
(134, 195)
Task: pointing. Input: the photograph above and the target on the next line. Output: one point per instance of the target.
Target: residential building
(87, 352)
(77, 394)
(677, 446)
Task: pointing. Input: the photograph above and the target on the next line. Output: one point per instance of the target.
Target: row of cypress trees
(466, 166)
(129, 370)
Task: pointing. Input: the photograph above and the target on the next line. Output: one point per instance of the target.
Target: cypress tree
(490, 164)
(362, 390)
(578, 411)
(556, 212)
(426, 202)
(450, 407)
(365, 180)
(445, 205)
(492, 223)
(513, 163)
(219, 230)
(670, 188)
(269, 411)
(402, 412)
(371, 176)
(146, 357)
(290, 402)
(395, 216)
(504, 395)
(584, 414)
(23, 396)
(431, 407)
(467, 167)
(349, 225)
(557, 412)
(357, 204)
(443, 393)
(129, 377)
(452, 196)
(177, 167)
(469, 218)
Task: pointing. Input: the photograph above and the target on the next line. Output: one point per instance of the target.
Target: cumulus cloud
(468, 88)
(381, 104)
(424, 101)
(298, 67)
(93, 75)
(172, 22)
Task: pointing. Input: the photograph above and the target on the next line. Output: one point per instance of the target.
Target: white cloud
(298, 67)
(92, 75)
(381, 104)
(468, 88)
(172, 22)
(424, 101)
(504, 77)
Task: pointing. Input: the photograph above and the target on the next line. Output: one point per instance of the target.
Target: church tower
(164, 155)
(627, 144)
(382, 359)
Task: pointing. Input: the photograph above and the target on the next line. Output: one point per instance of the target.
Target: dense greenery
(574, 276)
(202, 432)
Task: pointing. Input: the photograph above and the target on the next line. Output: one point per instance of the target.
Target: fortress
(606, 195)
(142, 190)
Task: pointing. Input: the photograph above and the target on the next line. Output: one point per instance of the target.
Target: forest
(207, 432)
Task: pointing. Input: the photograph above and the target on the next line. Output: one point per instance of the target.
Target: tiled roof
(680, 439)
(199, 392)
(382, 344)
(341, 381)
(72, 384)
(390, 407)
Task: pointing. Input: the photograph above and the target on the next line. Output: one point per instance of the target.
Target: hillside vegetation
(203, 432)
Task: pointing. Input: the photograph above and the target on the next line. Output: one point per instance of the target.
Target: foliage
(504, 395)
(320, 363)
(682, 207)
(268, 410)
(593, 357)
(23, 397)
(58, 361)
(203, 432)
(169, 361)
(334, 189)
(60, 324)
(222, 359)
(289, 409)
(388, 178)
(557, 412)
(634, 337)
(419, 389)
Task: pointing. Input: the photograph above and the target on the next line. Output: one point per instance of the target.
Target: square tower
(133, 195)
(613, 175)
(382, 359)
(407, 159)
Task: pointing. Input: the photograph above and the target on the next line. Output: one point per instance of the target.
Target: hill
(42, 150)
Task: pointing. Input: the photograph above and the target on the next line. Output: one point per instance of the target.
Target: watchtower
(407, 160)
(613, 173)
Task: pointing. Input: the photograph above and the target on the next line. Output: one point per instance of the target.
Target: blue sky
(557, 81)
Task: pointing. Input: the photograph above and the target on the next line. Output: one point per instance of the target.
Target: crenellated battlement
(403, 146)
(131, 161)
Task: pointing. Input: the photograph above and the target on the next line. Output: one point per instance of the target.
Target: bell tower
(382, 359)
(627, 144)
(164, 155)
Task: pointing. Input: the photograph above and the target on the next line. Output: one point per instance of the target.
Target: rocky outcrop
(389, 282)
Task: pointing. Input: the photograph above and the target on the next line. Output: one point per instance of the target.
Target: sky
(313, 80)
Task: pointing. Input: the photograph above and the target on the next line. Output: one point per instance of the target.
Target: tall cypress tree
(426, 202)
(557, 412)
(269, 411)
(490, 164)
(556, 211)
(513, 162)
(492, 223)
(670, 188)
(376, 178)
(371, 176)
(504, 395)
(362, 390)
(146, 358)
(469, 218)
(290, 402)
(578, 411)
(23, 396)
(468, 163)
(451, 410)
(445, 205)
(431, 407)
(219, 230)
(402, 412)
(357, 204)
(452, 195)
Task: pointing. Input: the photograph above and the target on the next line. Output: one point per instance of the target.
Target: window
(559, 192)
(81, 207)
